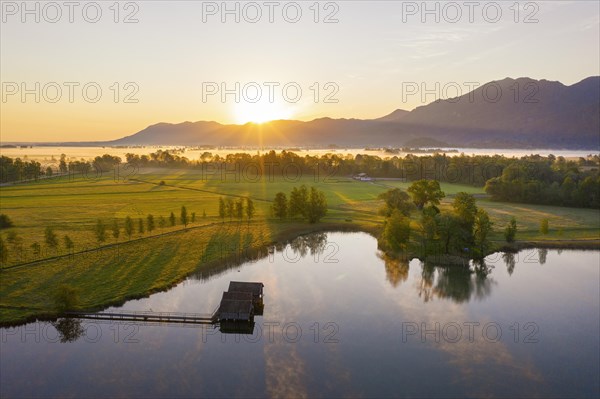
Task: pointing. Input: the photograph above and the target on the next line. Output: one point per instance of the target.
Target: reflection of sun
(260, 112)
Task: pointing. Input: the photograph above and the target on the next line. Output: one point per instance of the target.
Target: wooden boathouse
(241, 302)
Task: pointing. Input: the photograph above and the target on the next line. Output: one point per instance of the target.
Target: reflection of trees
(509, 260)
(223, 253)
(396, 269)
(316, 243)
(455, 282)
(425, 286)
(69, 329)
(542, 253)
(483, 284)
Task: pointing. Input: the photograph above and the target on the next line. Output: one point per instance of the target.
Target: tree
(100, 231)
(193, 220)
(204, 213)
(465, 208)
(50, 238)
(239, 209)
(426, 191)
(116, 231)
(229, 208)
(3, 251)
(395, 199)
(250, 210)
(280, 205)
(544, 226)
(150, 223)
(36, 248)
(5, 221)
(317, 205)
(62, 165)
(141, 226)
(184, 217)
(428, 224)
(162, 223)
(16, 242)
(69, 245)
(481, 229)
(172, 219)
(129, 227)
(396, 232)
(222, 208)
(447, 224)
(511, 230)
(298, 202)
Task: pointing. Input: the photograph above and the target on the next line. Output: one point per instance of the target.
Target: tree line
(549, 181)
(530, 179)
(238, 209)
(15, 170)
(101, 230)
(308, 204)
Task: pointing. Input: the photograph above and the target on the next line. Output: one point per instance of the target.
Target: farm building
(362, 177)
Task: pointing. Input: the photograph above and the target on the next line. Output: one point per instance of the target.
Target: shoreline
(283, 237)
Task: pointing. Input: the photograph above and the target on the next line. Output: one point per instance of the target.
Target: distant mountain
(394, 116)
(510, 113)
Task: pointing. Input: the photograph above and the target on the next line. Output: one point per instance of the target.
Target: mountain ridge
(507, 113)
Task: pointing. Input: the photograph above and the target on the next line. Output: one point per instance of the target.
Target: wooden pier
(240, 304)
(146, 316)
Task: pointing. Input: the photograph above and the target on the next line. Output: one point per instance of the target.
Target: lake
(339, 320)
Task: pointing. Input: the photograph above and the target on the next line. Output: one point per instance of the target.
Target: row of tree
(310, 205)
(15, 244)
(230, 208)
(19, 170)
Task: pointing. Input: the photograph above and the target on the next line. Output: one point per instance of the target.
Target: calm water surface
(339, 321)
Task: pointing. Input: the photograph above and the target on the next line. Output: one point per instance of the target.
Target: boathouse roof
(238, 286)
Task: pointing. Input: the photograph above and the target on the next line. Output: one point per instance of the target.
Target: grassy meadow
(113, 271)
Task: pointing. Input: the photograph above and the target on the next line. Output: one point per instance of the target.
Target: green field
(153, 261)
(73, 207)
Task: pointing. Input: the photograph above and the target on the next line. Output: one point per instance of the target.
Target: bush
(544, 226)
(511, 230)
(5, 222)
(66, 298)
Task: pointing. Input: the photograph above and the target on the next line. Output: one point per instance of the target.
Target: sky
(100, 71)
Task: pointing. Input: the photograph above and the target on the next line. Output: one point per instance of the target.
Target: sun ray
(260, 112)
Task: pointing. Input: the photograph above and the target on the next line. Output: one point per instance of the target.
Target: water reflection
(510, 261)
(542, 254)
(370, 299)
(315, 243)
(69, 329)
(396, 268)
(456, 282)
(232, 256)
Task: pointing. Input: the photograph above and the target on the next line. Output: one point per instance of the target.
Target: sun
(260, 112)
